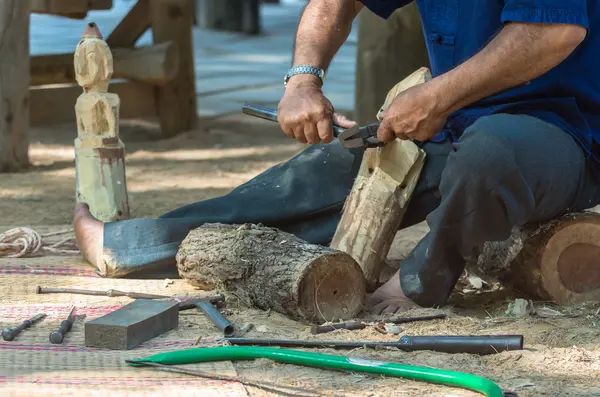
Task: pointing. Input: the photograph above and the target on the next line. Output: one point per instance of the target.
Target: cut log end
(558, 261)
(331, 287)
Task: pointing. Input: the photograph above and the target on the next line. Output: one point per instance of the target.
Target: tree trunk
(387, 52)
(14, 85)
(558, 260)
(273, 270)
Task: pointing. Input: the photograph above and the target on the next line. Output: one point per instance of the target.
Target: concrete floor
(230, 68)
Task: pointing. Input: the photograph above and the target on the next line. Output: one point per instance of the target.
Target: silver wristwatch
(320, 73)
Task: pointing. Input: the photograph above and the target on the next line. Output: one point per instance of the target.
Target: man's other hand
(414, 114)
(305, 114)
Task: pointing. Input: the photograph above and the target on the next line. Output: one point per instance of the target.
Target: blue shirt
(567, 96)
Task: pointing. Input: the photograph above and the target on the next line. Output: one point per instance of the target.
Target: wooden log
(154, 64)
(99, 153)
(229, 15)
(172, 21)
(68, 7)
(137, 101)
(557, 261)
(380, 195)
(273, 270)
(132, 26)
(387, 51)
(14, 84)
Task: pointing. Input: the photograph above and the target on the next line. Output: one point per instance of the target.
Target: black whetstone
(132, 324)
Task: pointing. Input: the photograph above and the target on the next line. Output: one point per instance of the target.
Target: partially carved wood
(14, 85)
(380, 195)
(558, 260)
(99, 153)
(273, 270)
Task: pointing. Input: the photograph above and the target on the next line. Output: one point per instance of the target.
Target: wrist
(304, 81)
(447, 95)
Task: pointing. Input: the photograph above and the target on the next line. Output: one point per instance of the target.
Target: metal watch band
(320, 73)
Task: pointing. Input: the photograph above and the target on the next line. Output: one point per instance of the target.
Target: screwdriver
(9, 334)
(58, 335)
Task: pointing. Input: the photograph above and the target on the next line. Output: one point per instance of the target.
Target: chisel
(58, 335)
(9, 334)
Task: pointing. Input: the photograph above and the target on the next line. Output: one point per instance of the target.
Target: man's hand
(414, 114)
(305, 114)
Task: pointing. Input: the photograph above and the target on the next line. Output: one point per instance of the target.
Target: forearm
(519, 53)
(323, 28)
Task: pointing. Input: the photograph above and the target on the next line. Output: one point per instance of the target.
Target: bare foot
(389, 298)
(89, 233)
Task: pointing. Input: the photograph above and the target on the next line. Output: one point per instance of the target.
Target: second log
(275, 270)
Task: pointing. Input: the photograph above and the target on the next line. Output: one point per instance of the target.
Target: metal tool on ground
(482, 345)
(216, 317)
(353, 137)
(131, 325)
(9, 334)
(58, 335)
(354, 325)
(133, 295)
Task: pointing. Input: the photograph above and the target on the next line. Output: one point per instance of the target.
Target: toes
(379, 307)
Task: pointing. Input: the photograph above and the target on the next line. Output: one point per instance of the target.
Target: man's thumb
(343, 121)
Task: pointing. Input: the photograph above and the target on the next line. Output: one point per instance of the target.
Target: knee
(484, 153)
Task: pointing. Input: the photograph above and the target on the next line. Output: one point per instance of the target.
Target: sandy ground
(562, 352)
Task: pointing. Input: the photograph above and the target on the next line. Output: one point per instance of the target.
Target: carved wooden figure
(99, 153)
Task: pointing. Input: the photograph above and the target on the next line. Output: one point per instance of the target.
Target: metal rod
(354, 325)
(114, 292)
(216, 317)
(485, 344)
(267, 113)
(9, 334)
(402, 320)
(350, 326)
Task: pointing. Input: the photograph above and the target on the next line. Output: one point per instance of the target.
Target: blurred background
(183, 70)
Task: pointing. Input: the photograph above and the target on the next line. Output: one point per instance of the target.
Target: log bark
(273, 270)
(380, 195)
(14, 85)
(558, 260)
(155, 64)
(387, 52)
(99, 153)
(172, 21)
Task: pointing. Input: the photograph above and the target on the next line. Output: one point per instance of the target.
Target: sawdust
(561, 355)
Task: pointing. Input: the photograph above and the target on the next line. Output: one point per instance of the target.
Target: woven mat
(31, 365)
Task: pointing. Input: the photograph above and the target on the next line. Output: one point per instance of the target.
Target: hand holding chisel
(58, 335)
(9, 334)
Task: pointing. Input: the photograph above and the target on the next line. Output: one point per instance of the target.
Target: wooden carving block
(380, 195)
(132, 325)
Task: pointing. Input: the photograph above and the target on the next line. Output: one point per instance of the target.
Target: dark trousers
(505, 171)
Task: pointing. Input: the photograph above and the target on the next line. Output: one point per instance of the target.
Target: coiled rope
(23, 241)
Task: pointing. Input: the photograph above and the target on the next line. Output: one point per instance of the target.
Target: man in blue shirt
(516, 99)
(509, 123)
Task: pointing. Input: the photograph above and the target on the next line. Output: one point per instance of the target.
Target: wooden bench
(156, 80)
